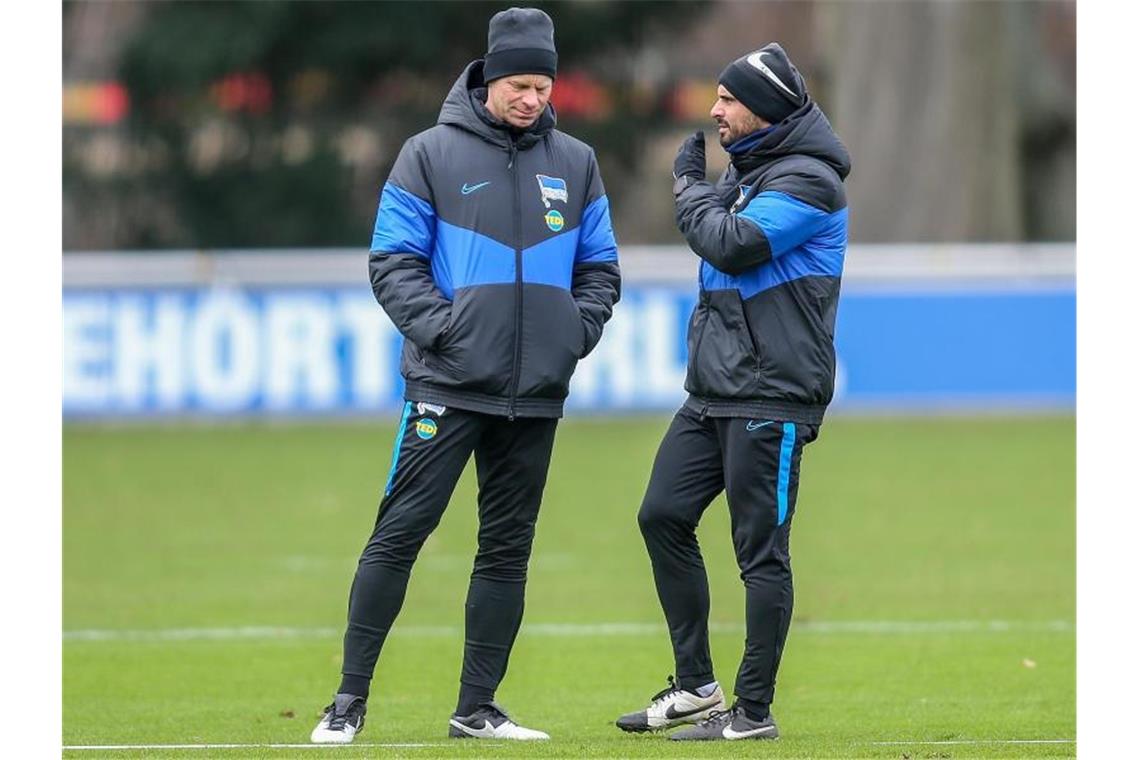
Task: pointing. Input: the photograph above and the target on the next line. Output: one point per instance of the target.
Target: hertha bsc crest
(552, 189)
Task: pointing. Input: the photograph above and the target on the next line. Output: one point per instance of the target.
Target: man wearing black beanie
(771, 234)
(766, 83)
(489, 349)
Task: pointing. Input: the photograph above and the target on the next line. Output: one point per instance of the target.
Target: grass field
(206, 572)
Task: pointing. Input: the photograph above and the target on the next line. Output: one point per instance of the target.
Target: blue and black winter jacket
(494, 255)
(772, 234)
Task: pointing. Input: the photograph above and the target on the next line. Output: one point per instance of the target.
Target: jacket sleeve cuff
(682, 183)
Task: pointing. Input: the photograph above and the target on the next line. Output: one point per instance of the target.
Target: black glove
(690, 160)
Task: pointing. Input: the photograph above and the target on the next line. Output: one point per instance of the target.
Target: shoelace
(717, 717)
(498, 710)
(338, 722)
(672, 688)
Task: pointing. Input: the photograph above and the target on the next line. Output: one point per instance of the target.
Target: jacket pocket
(553, 338)
(477, 351)
(751, 336)
(723, 361)
(581, 331)
(798, 359)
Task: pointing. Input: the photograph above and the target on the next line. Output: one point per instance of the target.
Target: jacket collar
(749, 141)
(806, 132)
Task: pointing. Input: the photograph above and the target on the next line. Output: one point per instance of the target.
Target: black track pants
(757, 464)
(511, 461)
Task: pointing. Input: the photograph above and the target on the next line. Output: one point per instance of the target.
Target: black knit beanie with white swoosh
(766, 82)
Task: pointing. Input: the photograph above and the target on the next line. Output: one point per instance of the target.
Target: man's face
(733, 119)
(519, 99)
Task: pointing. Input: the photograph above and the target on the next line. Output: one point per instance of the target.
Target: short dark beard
(751, 123)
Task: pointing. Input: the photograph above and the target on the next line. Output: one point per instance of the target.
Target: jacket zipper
(743, 314)
(743, 201)
(516, 370)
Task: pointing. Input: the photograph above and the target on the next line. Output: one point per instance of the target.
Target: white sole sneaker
(491, 722)
(342, 721)
(672, 707)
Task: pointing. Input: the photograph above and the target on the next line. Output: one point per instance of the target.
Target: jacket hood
(807, 132)
(464, 108)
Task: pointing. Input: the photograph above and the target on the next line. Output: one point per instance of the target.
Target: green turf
(943, 522)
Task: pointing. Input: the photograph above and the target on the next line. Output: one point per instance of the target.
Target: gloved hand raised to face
(690, 160)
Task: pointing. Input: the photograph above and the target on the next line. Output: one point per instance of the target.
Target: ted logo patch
(427, 428)
(554, 220)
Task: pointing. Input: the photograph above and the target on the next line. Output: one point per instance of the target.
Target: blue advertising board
(331, 350)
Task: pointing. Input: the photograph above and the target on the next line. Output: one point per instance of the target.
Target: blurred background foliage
(273, 124)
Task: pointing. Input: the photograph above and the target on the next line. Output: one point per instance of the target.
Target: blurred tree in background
(273, 124)
(969, 104)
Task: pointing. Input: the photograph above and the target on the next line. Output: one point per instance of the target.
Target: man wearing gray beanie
(771, 235)
(520, 41)
(489, 349)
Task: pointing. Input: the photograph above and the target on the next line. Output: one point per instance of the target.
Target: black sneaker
(343, 720)
(672, 706)
(490, 721)
(731, 725)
